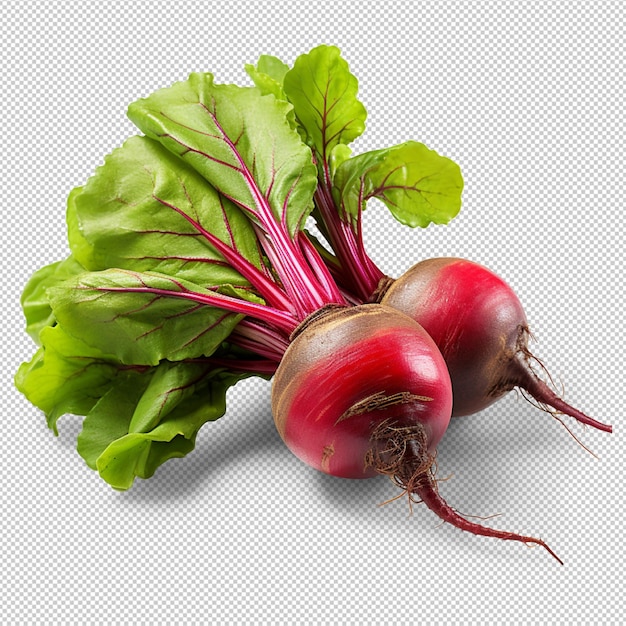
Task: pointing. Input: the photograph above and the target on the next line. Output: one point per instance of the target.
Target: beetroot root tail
(528, 381)
(426, 489)
(401, 453)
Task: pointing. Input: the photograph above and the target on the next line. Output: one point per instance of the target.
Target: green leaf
(418, 185)
(138, 425)
(34, 300)
(338, 155)
(66, 375)
(323, 92)
(147, 210)
(170, 385)
(268, 75)
(142, 317)
(137, 417)
(241, 141)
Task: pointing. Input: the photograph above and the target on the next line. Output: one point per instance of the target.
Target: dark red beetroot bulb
(480, 327)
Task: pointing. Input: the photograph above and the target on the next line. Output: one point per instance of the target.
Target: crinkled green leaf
(147, 210)
(241, 141)
(418, 185)
(34, 298)
(66, 375)
(140, 424)
(323, 92)
(170, 385)
(268, 75)
(141, 317)
(137, 417)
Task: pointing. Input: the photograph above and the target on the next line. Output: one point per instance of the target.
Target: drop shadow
(234, 440)
(480, 445)
(353, 497)
(510, 426)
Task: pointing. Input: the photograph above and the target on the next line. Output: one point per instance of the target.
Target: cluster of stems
(298, 276)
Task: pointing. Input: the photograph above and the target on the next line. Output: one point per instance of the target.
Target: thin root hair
(557, 416)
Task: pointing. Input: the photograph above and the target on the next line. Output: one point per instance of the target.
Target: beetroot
(363, 391)
(480, 327)
(192, 267)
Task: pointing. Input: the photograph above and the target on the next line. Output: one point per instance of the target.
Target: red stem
(360, 271)
(266, 288)
(333, 294)
(260, 339)
(295, 296)
(279, 319)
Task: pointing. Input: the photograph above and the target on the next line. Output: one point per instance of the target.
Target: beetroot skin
(480, 327)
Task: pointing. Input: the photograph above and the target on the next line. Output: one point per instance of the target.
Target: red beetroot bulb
(479, 324)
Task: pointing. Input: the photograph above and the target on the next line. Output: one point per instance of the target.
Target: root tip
(544, 545)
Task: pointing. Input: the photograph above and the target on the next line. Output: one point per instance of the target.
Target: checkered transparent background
(528, 98)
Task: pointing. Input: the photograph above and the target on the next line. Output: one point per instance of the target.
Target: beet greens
(187, 256)
(418, 185)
